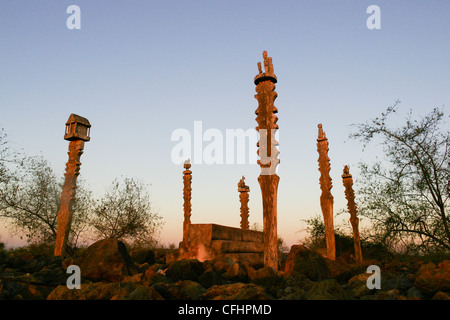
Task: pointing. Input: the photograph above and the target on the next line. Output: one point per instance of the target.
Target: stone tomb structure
(209, 241)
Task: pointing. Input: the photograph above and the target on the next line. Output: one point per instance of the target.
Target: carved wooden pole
(268, 153)
(187, 179)
(347, 180)
(243, 197)
(326, 198)
(77, 132)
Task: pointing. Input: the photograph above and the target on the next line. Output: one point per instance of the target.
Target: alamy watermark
(373, 22)
(231, 146)
(74, 281)
(374, 281)
(74, 20)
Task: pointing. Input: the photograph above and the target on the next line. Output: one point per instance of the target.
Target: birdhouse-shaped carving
(77, 128)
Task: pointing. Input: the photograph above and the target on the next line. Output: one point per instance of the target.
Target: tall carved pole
(268, 153)
(326, 198)
(243, 197)
(187, 179)
(77, 132)
(347, 180)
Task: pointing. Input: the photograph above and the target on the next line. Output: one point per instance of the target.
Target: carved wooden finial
(346, 171)
(187, 164)
(322, 135)
(270, 66)
(241, 183)
(266, 62)
(268, 73)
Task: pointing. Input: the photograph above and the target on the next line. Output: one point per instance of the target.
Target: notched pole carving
(244, 197)
(268, 154)
(187, 181)
(326, 198)
(347, 180)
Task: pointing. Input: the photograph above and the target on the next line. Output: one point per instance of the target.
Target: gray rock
(301, 260)
(414, 293)
(326, 290)
(193, 290)
(210, 278)
(106, 260)
(237, 272)
(185, 270)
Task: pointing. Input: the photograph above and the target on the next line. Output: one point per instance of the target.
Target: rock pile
(109, 273)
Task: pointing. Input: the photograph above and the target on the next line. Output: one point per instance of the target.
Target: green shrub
(43, 249)
(3, 253)
(344, 242)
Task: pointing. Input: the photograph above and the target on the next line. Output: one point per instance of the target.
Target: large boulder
(174, 291)
(342, 271)
(51, 276)
(193, 290)
(393, 294)
(18, 260)
(301, 260)
(432, 279)
(357, 285)
(105, 291)
(210, 278)
(237, 272)
(292, 293)
(326, 290)
(143, 293)
(265, 276)
(190, 269)
(221, 264)
(106, 260)
(441, 296)
(143, 256)
(236, 291)
(89, 291)
(17, 289)
(151, 277)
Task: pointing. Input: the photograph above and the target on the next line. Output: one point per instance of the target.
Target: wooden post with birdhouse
(77, 132)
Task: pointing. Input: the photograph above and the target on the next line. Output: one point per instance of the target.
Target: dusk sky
(139, 70)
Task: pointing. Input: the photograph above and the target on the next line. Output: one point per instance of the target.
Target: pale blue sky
(138, 70)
